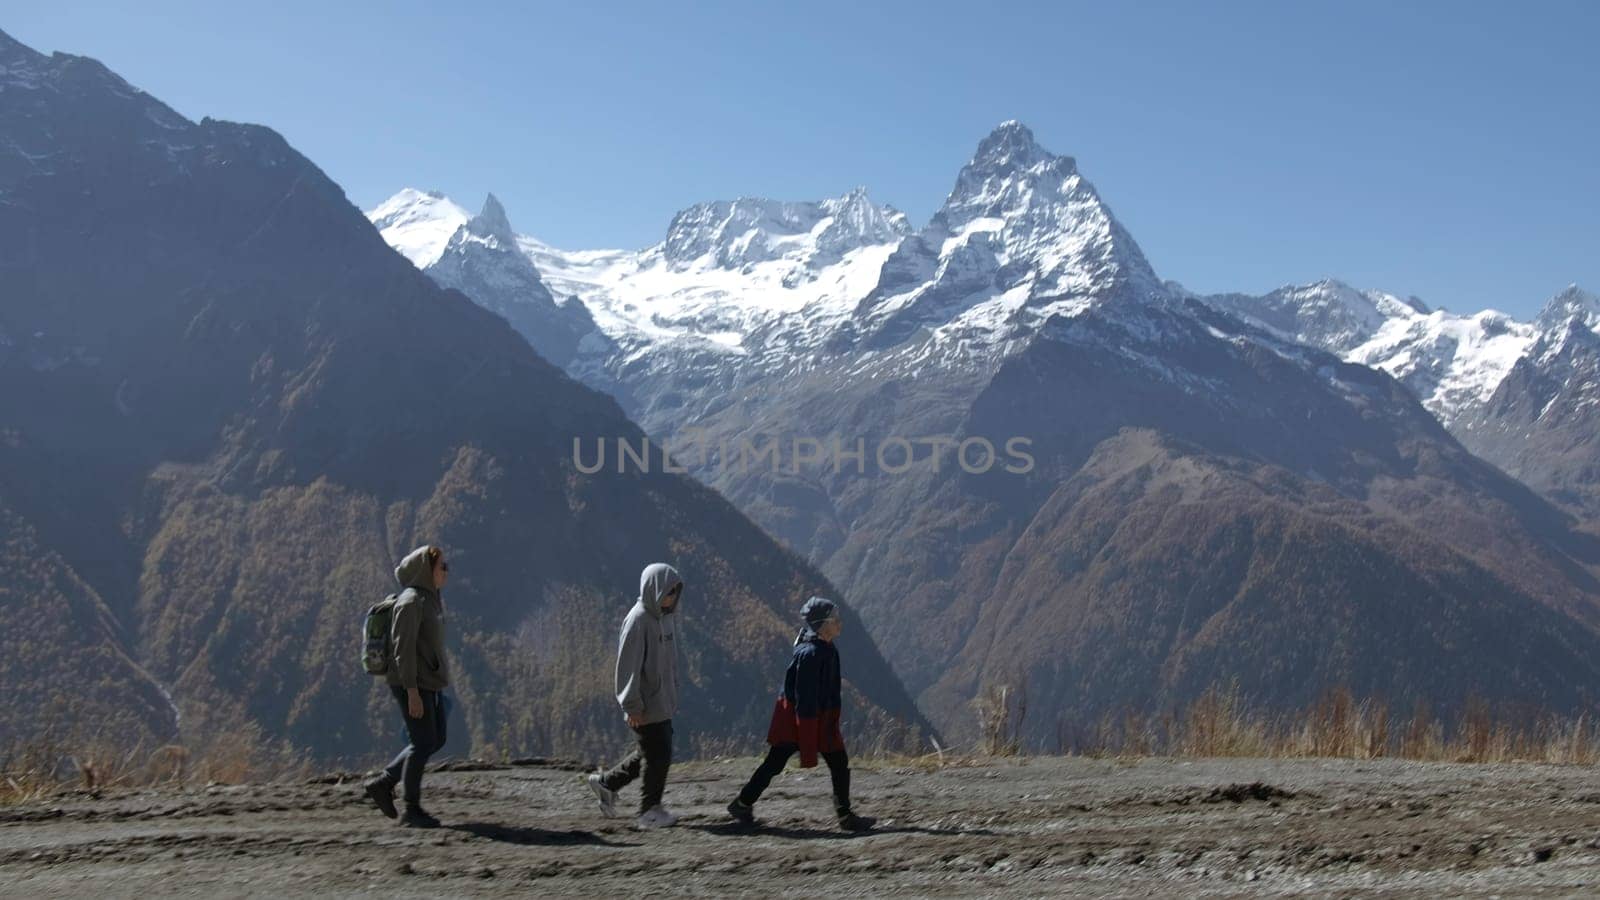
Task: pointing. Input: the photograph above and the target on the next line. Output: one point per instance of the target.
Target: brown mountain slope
(1158, 571)
(67, 667)
(235, 406)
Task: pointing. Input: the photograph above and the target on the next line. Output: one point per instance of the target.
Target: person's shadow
(834, 834)
(510, 834)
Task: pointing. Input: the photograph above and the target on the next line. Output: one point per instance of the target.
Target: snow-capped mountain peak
(1021, 237)
(1011, 146)
(998, 178)
(419, 224)
(1572, 303)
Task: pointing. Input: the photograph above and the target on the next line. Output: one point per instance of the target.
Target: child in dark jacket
(805, 719)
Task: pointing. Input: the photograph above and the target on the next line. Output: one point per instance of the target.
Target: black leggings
(654, 755)
(427, 735)
(778, 757)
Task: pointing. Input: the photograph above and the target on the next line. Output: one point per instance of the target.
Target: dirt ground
(1043, 826)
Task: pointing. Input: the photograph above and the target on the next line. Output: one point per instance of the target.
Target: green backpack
(377, 644)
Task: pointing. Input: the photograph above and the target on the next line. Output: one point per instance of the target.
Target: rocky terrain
(1026, 827)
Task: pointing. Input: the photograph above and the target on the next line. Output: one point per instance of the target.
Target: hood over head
(654, 583)
(416, 570)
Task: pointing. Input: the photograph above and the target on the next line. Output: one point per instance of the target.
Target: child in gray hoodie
(647, 691)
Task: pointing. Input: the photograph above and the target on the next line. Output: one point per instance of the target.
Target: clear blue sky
(1449, 150)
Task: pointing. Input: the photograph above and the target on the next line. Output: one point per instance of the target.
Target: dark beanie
(818, 610)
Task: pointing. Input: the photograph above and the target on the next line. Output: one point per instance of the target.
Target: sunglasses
(444, 567)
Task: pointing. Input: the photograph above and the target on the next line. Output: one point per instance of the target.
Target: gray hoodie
(647, 651)
(418, 627)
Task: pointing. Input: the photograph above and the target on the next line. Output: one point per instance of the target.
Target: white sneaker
(606, 796)
(657, 817)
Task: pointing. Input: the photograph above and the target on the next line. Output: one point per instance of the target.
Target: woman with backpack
(417, 676)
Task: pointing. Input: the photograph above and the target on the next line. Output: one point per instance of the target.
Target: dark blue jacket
(807, 715)
(812, 681)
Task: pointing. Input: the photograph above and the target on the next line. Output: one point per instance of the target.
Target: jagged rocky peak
(736, 233)
(1012, 146)
(1004, 175)
(1572, 303)
(855, 221)
(1035, 206)
(491, 222)
(1328, 313)
(1573, 338)
(1021, 238)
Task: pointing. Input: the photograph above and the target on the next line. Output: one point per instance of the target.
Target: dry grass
(1217, 724)
(1002, 711)
(47, 765)
(1338, 725)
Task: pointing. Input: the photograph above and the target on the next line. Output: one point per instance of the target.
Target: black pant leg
(777, 757)
(441, 720)
(623, 773)
(655, 740)
(839, 770)
(425, 738)
(392, 771)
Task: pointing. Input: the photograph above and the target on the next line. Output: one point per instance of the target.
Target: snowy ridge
(639, 299)
(1328, 314)
(748, 231)
(1450, 362)
(759, 286)
(1453, 363)
(725, 271)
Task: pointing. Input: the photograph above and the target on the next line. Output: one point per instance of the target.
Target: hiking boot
(656, 817)
(381, 792)
(417, 817)
(742, 813)
(853, 822)
(606, 796)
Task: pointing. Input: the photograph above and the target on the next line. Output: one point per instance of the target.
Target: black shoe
(415, 817)
(853, 822)
(743, 814)
(381, 792)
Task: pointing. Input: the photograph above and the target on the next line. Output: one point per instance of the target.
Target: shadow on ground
(509, 834)
(823, 834)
